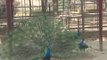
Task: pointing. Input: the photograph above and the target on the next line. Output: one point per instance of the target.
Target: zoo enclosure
(76, 14)
(73, 13)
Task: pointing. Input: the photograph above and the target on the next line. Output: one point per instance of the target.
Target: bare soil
(94, 53)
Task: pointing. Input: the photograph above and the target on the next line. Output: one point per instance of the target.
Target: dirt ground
(94, 53)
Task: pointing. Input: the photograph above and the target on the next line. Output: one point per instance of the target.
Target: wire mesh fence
(67, 11)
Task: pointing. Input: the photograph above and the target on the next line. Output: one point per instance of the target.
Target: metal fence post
(9, 8)
(82, 13)
(100, 8)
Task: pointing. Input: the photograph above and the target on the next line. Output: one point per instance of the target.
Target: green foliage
(40, 32)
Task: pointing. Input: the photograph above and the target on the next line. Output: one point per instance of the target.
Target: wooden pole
(100, 8)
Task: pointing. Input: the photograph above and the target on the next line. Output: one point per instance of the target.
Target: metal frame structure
(66, 9)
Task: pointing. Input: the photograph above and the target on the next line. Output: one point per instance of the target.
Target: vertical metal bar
(100, 2)
(44, 5)
(39, 5)
(63, 4)
(30, 8)
(49, 9)
(49, 3)
(63, 1)
(78, 33)
(24, 7)
(69, 18)
(55, 6)
(9, 8)
(32, 3)
(22, 2)
(82, 12)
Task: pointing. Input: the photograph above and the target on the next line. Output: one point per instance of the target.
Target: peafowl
(82, 45)
(47, 53)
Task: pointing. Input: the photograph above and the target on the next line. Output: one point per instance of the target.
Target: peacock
(47, 53)
(82, 45)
